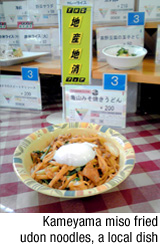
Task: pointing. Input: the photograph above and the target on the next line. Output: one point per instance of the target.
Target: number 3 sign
(30, 74)
(115, 89)
(114, 82)
(136, 18)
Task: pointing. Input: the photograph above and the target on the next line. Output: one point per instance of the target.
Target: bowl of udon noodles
(74, 160)
(124, 57)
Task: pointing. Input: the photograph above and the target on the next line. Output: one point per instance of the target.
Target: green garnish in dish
(38, 152)
(74, 171)
(48, 148)
(124, 52)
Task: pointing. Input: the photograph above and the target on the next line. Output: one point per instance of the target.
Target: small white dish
(27, 56)
(124, 62)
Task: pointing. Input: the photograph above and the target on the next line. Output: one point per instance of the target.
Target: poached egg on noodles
(75, 154)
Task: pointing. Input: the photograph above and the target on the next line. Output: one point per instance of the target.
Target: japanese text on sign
(106, 36)
(17, 93)
(112, 10)
(76, 37)
(93, 104)
(25, 25)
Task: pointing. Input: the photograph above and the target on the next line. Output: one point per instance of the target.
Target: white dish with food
(74, 160)
(124, 57)
(27, 56)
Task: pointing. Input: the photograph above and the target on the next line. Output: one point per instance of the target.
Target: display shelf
(45, 66)
(35, 27)
(147, 72)
(148, 25)
(151, 25)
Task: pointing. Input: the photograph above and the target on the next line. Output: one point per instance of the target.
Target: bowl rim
(31, 183)
(144, 50)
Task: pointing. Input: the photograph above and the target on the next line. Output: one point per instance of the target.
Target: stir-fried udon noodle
(63, 176)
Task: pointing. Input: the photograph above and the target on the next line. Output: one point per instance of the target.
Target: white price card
(9, 37)
(43, 12)
(17, 93)
(94, 104)
(2, 17)
(112, 11)
(151, 8)
(35, 40)
(106, 36)
(15, 11)
(158, 46)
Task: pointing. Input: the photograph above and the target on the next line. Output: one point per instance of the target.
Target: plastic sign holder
(75, 21)
(75, 34)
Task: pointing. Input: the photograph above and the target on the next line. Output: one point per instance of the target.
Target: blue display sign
(30, 74)
(136, 18)
(114, 82)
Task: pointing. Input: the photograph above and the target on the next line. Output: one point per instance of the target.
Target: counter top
(139, 193)
(147, 72)
(46, 66)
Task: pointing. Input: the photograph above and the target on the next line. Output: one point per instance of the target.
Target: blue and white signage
(136, 18)
(30, 74)
(115, 86)
(96, 104)
(114, 82)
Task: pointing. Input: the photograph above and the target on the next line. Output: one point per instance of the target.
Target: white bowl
(124, 62)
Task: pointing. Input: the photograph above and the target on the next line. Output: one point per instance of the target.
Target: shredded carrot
(101, 169)
(102, 163)
(48, 157)
(67, 182)
(41, 177)
(63, 170)
(39, 166)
